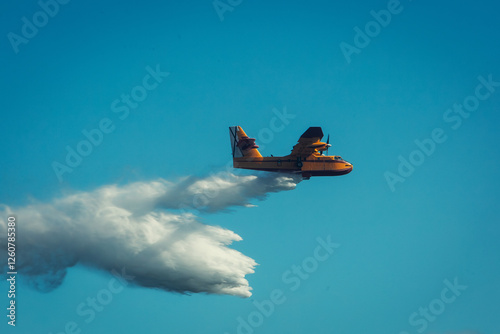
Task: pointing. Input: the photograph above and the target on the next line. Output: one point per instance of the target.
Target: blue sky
(397, 246)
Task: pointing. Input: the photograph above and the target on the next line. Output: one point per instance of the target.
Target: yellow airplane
(306, 157)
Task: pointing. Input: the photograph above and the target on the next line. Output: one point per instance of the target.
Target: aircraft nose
(350, 166)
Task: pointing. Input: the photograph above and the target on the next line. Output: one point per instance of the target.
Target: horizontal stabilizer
(241, 144)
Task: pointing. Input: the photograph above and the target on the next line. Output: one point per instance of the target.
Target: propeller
(328, 144)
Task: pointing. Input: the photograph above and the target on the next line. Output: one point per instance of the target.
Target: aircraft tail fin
(241, 144)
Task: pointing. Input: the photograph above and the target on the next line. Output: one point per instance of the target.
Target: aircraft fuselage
(313, 165)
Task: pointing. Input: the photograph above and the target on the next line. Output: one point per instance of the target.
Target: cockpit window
(338, 157)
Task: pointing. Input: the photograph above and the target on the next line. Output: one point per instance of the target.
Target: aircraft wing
(305, 146)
